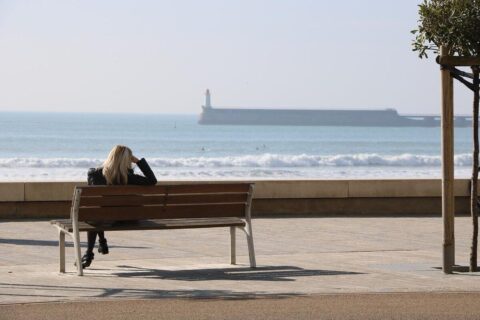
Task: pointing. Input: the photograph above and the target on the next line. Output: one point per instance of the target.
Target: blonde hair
(115, 168)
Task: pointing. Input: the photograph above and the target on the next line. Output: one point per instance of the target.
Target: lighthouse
(208, 103)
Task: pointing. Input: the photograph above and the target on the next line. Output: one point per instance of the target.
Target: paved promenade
(297, 258)
(341, 268)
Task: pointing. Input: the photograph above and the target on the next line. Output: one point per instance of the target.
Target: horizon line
(96, 112)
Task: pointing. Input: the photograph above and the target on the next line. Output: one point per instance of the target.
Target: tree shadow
(65, 293)
(53, 243)
(267, 273)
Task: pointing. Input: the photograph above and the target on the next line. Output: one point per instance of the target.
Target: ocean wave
(254, 161)
(49, 163)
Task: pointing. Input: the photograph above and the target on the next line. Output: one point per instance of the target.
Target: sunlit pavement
(297, 258)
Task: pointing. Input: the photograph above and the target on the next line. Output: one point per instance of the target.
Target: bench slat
(121, 190)
(207, 198)
(157, 224)
(128, 201)
(161, 212)
(171, 189)
(208, 188)
(139, 200)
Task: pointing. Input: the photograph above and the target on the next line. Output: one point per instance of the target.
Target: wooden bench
(158, 208)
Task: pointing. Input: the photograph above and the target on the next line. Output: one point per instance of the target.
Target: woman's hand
(134, 159)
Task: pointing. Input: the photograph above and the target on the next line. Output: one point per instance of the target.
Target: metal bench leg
(251, 249)
(76, 232)
(233, 246)
(78, 258)
(248, 228)
(61, 247)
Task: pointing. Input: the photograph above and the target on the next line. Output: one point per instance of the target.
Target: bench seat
(153, 224)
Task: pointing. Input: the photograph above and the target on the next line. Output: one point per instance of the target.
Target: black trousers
(92, 237)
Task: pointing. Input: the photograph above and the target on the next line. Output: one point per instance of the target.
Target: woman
(116, 170)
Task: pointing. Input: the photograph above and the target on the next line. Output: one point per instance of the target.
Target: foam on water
(266, 160)
(80, 174)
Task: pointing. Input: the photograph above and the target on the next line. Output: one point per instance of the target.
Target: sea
(62, 146)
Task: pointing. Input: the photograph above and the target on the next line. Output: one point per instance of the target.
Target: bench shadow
(60, 293)
(462, 269)
(267, 273)
(53, 243)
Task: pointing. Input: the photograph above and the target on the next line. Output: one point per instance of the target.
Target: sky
(160, 56)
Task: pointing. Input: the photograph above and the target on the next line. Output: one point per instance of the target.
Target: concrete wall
(271, 197)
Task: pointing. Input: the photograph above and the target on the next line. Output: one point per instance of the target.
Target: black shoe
(86, 260)
(103, 246)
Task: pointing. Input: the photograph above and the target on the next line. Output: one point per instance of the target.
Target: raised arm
(148, 178)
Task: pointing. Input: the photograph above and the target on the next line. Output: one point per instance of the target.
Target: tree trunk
(473, 196)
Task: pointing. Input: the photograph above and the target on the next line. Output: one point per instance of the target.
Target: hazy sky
(160, 56)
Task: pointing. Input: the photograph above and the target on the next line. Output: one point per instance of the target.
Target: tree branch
(469, 85)
(462, 73)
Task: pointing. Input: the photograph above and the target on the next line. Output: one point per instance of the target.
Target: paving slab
(295, 257)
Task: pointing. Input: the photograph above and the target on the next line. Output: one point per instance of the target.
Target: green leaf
(453, 23)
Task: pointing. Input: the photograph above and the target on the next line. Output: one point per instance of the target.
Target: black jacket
(95, 175)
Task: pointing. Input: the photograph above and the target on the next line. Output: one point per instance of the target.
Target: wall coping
(264, 189)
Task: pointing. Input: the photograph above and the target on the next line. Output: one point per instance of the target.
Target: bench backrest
(100, 203)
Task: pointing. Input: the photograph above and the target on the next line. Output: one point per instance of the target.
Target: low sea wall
(32, 200)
